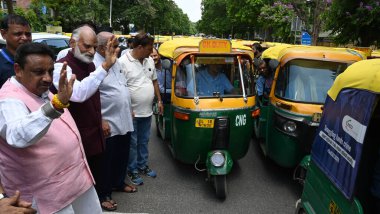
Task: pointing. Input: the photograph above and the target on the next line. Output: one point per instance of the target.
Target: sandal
(108, 204)
(127, 189)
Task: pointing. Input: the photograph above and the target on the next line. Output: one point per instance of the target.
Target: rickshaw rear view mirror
(166, 64)
(273, 63)
(256, 62)
(185, 62)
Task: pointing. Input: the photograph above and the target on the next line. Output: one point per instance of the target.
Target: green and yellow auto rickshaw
(343, 173)
(208, 114)
(290, 114)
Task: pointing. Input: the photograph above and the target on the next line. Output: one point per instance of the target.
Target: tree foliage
(353, 21)
(215, 20)
(350, 21)
(276, 18)
(162, 16)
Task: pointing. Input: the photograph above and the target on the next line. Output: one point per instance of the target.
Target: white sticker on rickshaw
(355, 129)
(240, 120)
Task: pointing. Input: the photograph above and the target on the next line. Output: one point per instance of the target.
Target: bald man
(117, 125)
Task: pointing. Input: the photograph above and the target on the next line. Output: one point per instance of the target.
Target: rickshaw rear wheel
(256, 128)
(158, 133)
(220, 184)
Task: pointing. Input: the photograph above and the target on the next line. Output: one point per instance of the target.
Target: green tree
(276, 18)
(170, 18)
(214, 20)
(357, 22)
(311, 13)
(244, 16)
(9, 6)
(140, 13)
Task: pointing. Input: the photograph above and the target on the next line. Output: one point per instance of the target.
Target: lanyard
(5, 55)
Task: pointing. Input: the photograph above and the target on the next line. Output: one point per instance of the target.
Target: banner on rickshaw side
(339, 139)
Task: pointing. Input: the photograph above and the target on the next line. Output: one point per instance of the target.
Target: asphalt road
(255, 185)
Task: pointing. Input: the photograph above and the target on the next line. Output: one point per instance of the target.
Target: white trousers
(87, 203)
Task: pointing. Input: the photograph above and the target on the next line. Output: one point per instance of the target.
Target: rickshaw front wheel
(256, 132)
(220, 184)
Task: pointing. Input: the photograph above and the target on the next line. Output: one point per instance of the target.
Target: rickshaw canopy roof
(376, 53)
(302, 51)
(364, 75)
(173, 48)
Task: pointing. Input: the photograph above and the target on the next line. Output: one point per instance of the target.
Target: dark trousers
(115, 163)
(95, 163)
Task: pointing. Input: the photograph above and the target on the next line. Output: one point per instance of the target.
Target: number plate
(204, 123)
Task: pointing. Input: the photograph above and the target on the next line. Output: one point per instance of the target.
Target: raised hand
(112, 51)
(65, 88)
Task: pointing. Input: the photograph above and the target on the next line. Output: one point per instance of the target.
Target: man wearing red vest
(85, 100)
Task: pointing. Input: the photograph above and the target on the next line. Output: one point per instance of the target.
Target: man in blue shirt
(15, 30)
(164, 77)
(211, 80)
(264, 82)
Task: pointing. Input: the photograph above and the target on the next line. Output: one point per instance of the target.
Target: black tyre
(158, 133)
(256, 127)
(220, 184)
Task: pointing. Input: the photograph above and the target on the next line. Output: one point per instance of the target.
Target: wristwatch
(3, 195)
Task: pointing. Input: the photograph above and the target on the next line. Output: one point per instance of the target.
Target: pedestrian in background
(164, 77)
(15, 30)
(139, 69)
(257, 50)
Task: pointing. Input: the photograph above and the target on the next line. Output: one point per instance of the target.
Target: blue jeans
(138, 153)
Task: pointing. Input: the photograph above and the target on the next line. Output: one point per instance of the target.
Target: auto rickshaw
(375, 54)
(289, 116)
(205, 122)
(343, 172)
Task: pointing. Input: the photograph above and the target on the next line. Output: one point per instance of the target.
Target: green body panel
(284, 149)
(164, 124)
(190, 143)
(319, 193)
(222, 170)
(305, 162)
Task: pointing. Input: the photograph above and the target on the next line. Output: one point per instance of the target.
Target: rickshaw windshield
(215, 76)
(307, 80)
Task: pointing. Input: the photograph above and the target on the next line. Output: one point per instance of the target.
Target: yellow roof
(272, 44)
(274, 52)
(364, 75)
(173, 48)
(160, 38)
(375, 53)
(279, 51)
(123, 35)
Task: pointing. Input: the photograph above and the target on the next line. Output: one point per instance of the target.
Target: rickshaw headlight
(290, 126)
(217, 159)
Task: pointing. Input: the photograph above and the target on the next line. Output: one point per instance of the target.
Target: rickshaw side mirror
(256, 62)
(273, 63)
(166, 64)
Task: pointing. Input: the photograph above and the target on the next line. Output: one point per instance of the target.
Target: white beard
(82, 57)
